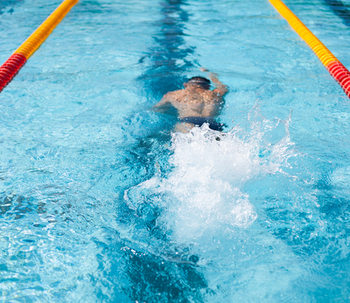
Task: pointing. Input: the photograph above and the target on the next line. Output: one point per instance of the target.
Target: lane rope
(338, 71)
(16, 61)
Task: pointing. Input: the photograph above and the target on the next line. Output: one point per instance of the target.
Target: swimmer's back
(195, 102)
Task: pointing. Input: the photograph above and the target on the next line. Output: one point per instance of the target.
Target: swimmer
(197, 104)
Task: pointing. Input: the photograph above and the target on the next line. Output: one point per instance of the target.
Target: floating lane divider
(333, 65)
(13, 64)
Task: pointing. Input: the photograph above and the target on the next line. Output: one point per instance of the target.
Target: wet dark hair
(200, 81)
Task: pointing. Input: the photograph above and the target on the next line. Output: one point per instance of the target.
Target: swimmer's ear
(185, 84)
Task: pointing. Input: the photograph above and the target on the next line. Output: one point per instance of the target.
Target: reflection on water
(168, 60)
(5, 4)
(341, 9)
(153, 277)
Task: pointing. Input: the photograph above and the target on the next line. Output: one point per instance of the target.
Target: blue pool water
(101, 202)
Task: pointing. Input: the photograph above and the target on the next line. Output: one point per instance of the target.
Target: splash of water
(204, 191)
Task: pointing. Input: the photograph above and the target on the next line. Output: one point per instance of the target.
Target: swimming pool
(100, 203)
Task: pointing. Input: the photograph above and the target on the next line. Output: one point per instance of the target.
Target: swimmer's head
(199, 81)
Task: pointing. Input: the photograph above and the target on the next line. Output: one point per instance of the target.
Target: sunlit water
(102, 202)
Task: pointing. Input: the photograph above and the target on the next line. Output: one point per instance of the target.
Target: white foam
(204, 192)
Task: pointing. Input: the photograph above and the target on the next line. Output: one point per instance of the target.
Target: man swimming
(197, 104)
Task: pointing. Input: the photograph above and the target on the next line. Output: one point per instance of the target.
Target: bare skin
(196, 101)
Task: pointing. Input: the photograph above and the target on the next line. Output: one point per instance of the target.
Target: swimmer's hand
(205, 70)
(221, 89)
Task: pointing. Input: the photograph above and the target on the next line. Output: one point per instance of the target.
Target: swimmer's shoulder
(212, 96)
(168, 98)
(175, 96)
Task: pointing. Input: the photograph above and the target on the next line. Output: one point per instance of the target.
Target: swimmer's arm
(221, 88)
(164, 101)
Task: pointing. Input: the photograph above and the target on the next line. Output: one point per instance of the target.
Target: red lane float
(341, 74)
(10, 69)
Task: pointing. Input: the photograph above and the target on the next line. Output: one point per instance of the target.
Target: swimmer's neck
(191, 87)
